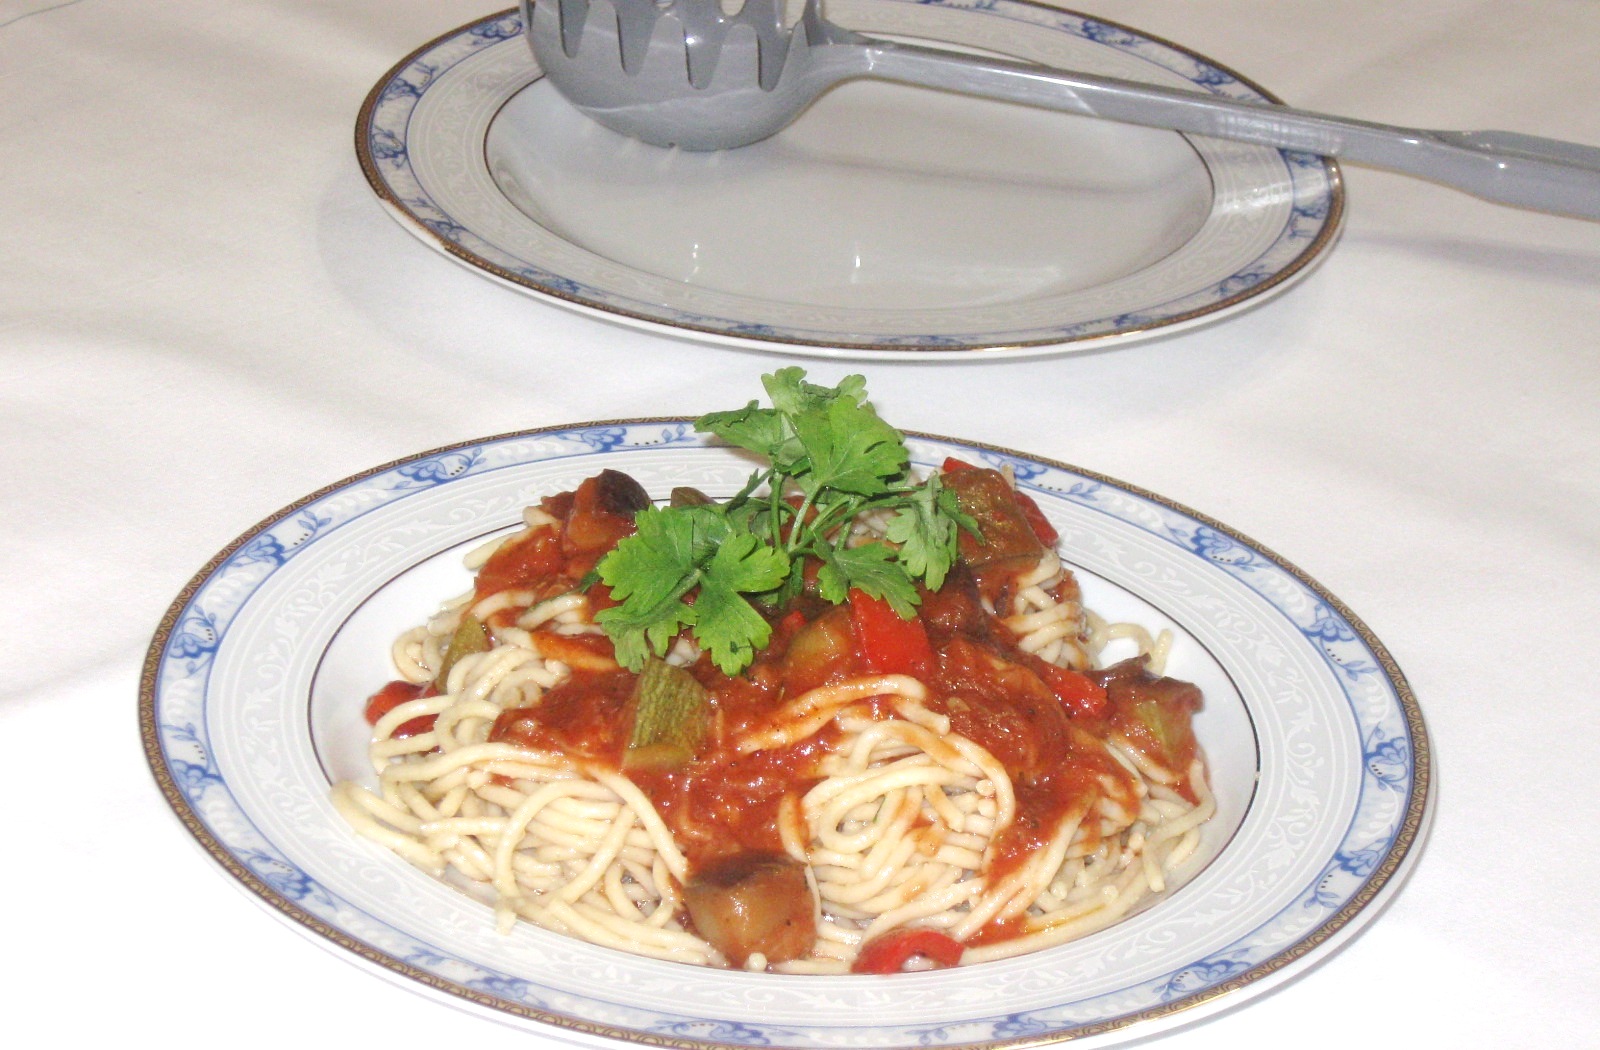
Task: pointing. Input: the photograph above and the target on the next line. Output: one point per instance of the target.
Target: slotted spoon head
(685, 73)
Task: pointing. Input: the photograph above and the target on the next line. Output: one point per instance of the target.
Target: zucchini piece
(471, 637)
(671, 712)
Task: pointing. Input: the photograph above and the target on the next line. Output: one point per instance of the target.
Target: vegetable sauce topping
(845, 719)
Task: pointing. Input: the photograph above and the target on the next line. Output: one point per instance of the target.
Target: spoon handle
(1505, 167)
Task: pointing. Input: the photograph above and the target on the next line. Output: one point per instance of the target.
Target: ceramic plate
(251, 706)
(888, 221)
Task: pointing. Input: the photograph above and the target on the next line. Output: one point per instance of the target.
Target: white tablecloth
(204, 315)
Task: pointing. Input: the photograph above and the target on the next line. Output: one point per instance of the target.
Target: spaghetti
(833, 811)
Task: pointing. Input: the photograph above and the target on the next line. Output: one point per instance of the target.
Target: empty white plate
(887, 221)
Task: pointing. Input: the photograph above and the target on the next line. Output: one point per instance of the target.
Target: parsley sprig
(716, 568)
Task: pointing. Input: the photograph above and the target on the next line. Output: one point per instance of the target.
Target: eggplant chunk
(753, 903)
(618, 493)
(1154, 714)
(601, 513)
(1006, 541)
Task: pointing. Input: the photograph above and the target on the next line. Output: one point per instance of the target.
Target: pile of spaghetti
(807, 729)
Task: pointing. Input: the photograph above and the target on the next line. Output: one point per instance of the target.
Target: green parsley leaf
(925, 529)
(722, 570)
(849, 449)
(754, 428)
(871, 567)
(651, 572)
(792, 395)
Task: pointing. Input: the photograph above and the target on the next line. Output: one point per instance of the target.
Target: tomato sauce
(392, 696)
(588, 716)
(521, 563)
(1046, 730)
(724, 802)
(1058, 768)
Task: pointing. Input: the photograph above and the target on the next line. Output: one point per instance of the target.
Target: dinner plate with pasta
(781, 727)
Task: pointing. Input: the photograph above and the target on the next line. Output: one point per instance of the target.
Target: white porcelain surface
(888, 221)
(1317, 750)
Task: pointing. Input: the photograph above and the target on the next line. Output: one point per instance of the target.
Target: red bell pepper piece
(1082, 694)
(392, 696)
(890, 952)
(889, 643)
